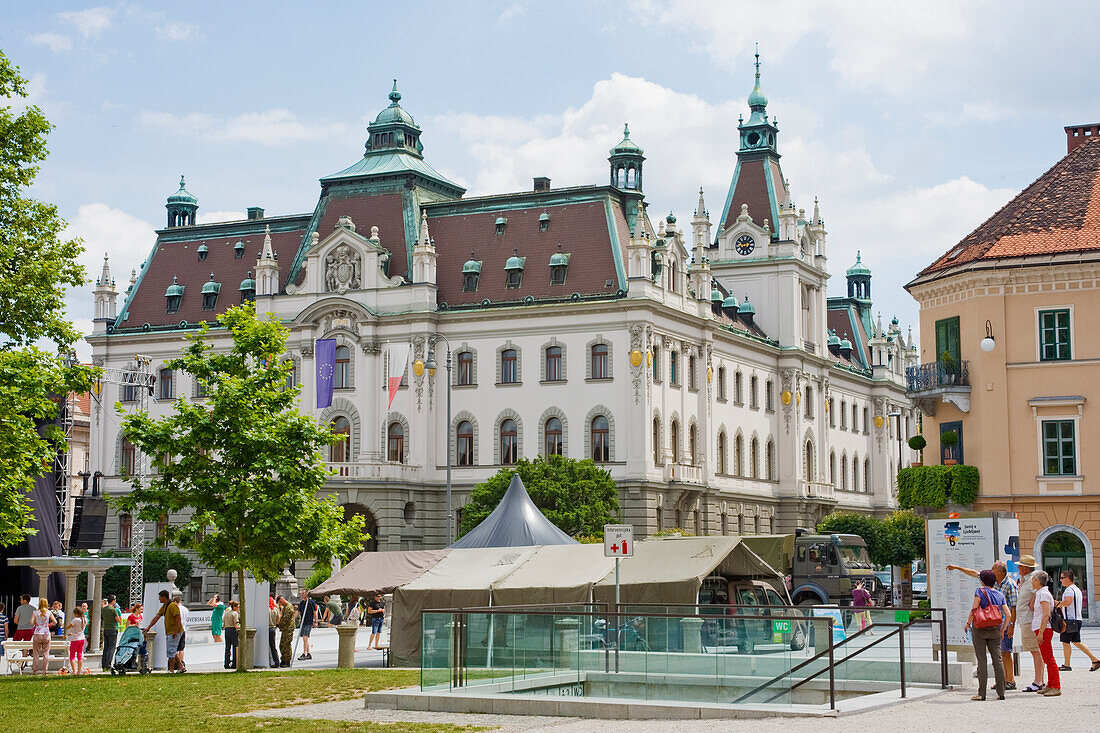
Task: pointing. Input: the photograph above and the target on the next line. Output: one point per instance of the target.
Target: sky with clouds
(912, 122)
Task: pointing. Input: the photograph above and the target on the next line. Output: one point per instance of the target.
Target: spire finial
(626, 130)
(182, 183)
(395, 96)
(758, 62)
(757, 100)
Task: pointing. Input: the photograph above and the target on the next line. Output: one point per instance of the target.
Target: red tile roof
(581, 228)
(751, 189)
(179, 259)
(846, 325)
(1058, 213)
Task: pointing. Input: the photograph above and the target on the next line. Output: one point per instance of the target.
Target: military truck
(821, 569)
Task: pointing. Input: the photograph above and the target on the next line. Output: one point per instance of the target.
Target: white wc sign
(618, 540)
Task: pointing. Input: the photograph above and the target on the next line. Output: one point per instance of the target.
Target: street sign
(618, 540)
(781, 627)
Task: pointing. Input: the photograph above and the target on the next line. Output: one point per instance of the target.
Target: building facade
(1011, 366)
(705, 369)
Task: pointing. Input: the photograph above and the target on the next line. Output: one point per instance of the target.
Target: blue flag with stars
(326, 368)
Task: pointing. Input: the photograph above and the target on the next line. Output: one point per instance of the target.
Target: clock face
(745, 244)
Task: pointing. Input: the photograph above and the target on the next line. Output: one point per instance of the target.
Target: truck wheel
(798, 638)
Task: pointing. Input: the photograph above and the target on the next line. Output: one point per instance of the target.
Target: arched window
(738, 456)
(721, 452)
(867, 475)
(465, 443)
(832, 468)
(811, 470)
(691, 444)
(674, 437)
(553, 438)
(340, 451)
(395, 443)
(855, 473)
(127, 458)
(341, 378)
(672, 275)
(599, 362)
(125, 530)
(754, 466)
(509, 442)
(553, 364)
(656, 442)
(601, 439)
(465, 368)
(509, 372)
(769, 460)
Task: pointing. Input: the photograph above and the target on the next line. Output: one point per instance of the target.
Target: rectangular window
(125, 531)
(509, 374)
(194, 591)
(952, 452)
(866, 421)
(600, 369)
(165, 387)
(721, 384)
(769, 397)
(655, 355)
(673, 363)
(754, 401)
(832, 413)
(465, 368)
(1054, 342)
(1059, 449)
(553, 364)
(737, 389)
(691, 373)
(947, 338)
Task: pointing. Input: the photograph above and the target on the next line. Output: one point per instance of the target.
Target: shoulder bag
(989, 616)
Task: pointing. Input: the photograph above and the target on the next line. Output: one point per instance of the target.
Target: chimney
(1078, 135)
(542, 183)
(255, 212)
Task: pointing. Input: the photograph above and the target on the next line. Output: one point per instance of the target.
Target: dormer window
(501, 223)
(248, 289)
(203, 250)
(513, 269)
(559, 264)
(173, 296)
(471, 273)
(210, 294)
(544, 222)
(238, 250)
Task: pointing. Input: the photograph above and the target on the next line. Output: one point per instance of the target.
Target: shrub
(917, 442)
(949, 438)
(933, 486)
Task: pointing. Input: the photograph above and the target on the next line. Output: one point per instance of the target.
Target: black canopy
(516, 522)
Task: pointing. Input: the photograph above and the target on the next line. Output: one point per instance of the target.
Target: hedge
(934, 486)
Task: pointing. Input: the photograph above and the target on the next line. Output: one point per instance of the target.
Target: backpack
(1057, 619)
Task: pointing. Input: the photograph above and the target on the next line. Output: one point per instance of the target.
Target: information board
(968, 540)
(618, 540)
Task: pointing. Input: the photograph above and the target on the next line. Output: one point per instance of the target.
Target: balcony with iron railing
(939, 381)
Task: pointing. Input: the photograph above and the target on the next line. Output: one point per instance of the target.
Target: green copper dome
(211, 286)
(858, 268)
(203, 249)
(515, 262)
(471, 266)
(627, 146)
(248, 283)
(174, 289)
(746, 307)
(558, 259)
(182, 196)
(716, 296)
(730, 302)
(845, 343)
(394, 113)
(756, 97)
(834, 340)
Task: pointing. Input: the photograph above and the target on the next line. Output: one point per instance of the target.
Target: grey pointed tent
(516, 522)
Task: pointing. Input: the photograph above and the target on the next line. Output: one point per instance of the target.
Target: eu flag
(326, 367)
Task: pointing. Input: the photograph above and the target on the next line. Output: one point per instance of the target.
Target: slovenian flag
(397, 358)
(326, 367)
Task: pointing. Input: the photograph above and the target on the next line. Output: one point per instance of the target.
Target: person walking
(287, 617)
(216, 617)
(861, 599)
(41, 621)
(231, 622)
(1042, 606)
(75, 634)
(177, 596)
(1072, 603)
(307, 611)
(108, 621)
(986, 636)
(273, 614)
(377, 612)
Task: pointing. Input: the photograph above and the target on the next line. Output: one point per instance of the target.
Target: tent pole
(618, 619)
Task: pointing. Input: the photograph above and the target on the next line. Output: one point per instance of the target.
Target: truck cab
(723, 597)
(825, 568)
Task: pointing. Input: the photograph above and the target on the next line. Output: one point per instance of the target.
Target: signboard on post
(618, 540)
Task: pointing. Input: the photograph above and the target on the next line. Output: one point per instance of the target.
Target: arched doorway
(371, 525)
(1063, 548)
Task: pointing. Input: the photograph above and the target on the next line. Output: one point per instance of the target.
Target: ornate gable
(345, 261)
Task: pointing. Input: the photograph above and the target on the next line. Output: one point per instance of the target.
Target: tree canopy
(244, 465)
(36, 267)
(579, 497)
(895, 540)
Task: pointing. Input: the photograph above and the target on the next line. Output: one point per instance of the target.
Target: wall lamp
(988, 343)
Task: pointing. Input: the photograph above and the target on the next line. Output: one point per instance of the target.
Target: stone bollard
(150, 643)
(346, 656)
(244, 649)
(692, 629)
(567, 631)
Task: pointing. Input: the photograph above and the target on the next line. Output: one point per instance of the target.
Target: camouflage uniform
(286, 636)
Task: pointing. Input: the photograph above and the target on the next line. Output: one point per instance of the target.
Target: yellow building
(1010, 360)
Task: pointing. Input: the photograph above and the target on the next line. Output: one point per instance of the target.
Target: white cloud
(177, 31)
(272, 127)
(89, 23)
(512, 11)
(54, 41)
(213, 217)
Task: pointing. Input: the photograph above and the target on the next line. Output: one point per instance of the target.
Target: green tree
(577, 496)
(869, 528)
(35, 268)
(903, 538)
(245, 465)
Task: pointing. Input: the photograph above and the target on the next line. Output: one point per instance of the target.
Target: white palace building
(705, 369)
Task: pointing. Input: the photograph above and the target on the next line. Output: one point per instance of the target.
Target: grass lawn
(162, 702)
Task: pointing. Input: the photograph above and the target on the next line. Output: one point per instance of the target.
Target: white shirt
(1073, 610)
(1043, 594)
(183, 615)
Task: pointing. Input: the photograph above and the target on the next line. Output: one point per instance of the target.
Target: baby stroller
(127, 653)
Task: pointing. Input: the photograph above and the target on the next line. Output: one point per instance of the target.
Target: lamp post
(432, 341)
